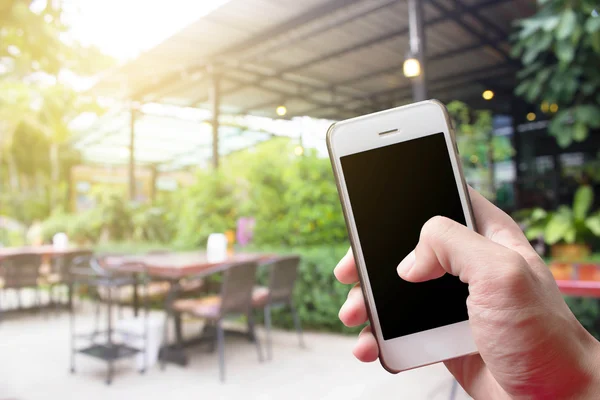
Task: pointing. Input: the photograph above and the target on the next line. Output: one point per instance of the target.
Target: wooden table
(45, 251)
(175, 266)
(172, 267)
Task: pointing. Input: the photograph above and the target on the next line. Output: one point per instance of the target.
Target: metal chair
(235, 299)
(21, 271)
(279, 292)
(60, 273)
(87, 271)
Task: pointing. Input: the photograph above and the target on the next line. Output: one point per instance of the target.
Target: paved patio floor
(34, 364)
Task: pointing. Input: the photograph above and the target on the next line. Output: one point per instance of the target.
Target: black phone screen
(393, 191)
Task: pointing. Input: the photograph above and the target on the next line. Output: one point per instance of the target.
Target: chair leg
(267, 312)
(253, 335)
(297, 324)
(221, 347)
(165, 348)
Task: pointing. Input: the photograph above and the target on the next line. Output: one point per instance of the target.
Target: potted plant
(567, 230)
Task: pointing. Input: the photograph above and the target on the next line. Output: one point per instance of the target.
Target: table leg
(70, 295)
(136, 300)
(173, 353)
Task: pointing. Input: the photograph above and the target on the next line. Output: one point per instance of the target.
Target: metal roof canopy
(326, 58)
(168, 142)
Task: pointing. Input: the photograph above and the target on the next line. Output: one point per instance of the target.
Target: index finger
(345, 271)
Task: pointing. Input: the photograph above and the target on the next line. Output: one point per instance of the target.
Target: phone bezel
(365, 133)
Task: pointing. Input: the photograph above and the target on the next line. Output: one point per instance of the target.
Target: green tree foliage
(293, 199)
(478, 147)
(37, 106)
(559, 47)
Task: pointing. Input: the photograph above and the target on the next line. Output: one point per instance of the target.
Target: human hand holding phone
(530, 344)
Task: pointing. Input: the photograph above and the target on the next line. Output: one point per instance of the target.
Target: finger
(366, 349)
(448, 246)
(345, 271)
(354, 310)
(499, 227)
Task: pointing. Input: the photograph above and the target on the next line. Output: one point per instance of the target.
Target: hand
(530, 344)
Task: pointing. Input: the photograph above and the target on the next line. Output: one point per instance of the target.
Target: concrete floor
(34, 364)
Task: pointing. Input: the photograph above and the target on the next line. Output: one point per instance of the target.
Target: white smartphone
(395, 170)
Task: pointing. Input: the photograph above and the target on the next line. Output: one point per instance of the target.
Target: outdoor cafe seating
(180, 278)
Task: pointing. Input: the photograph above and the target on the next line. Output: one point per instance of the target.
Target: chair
(21, 271)
(235, 299)
(60, 272)
(279, 292)
(87, 271)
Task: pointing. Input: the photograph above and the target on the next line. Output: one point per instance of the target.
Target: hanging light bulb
(281, 111)
(411, 67)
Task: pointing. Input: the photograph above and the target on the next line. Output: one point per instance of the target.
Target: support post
(214, 96)
(416, 27)
(132, 153)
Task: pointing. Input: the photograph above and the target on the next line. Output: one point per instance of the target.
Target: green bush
(293, 199)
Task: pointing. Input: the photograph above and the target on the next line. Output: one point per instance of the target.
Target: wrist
(592, 389)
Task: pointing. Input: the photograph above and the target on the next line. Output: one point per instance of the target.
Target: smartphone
(395, 170)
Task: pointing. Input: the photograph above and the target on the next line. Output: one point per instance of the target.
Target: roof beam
(453, 15)
(483, 20)
(388, 70)
(278, 91)
(465, 26)
(374, 7)
(405, 91)
(310, 16)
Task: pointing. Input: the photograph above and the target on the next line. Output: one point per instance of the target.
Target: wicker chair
(279, 292)
(19, 272)
(235, 299)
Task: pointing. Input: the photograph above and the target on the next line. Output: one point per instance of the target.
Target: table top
(178, 265)
(45, 250)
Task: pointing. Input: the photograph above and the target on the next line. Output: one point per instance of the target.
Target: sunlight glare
(124, 29)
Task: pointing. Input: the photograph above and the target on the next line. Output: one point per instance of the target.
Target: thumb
(445, 246)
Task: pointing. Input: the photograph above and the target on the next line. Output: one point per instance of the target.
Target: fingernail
(406, 264)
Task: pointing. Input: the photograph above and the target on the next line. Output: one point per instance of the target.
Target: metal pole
(214, 95)
(417, 47)
(132, 154)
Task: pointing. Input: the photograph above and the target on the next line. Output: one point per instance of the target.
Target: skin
(530, 344)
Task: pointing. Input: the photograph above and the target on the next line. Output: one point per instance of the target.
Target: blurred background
(135, 128)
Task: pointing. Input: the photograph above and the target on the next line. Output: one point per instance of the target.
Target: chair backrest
(236, 291)
(282, 277)
(21, 270)
(65, 262)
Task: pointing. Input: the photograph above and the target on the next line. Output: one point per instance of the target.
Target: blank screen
(393, 191)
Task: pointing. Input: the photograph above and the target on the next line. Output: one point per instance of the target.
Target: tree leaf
(595, 40)
(567, 23)
(522, 88)
(593, 224)
(534, 232)
(556, 229)
(588, 114)
(592, 25)
(565, 52)
(582, 202)
(580, 132)
(551, 23)
(570, 235)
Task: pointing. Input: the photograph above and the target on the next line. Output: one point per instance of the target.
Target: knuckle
(437, 227)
